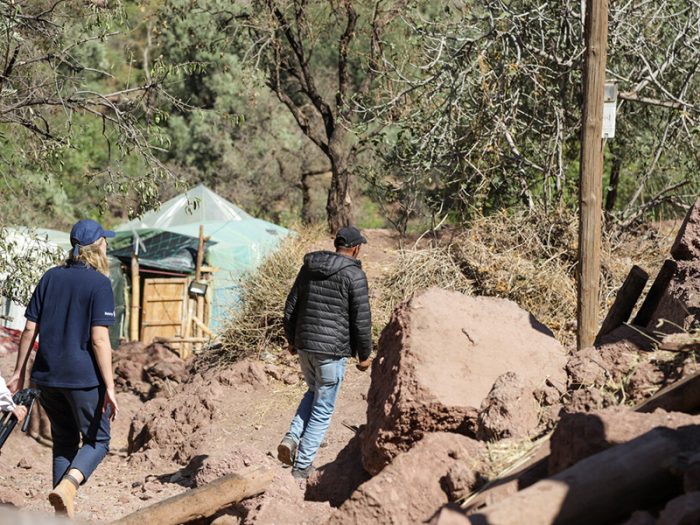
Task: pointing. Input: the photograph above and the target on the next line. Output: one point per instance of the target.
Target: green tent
(239, 242)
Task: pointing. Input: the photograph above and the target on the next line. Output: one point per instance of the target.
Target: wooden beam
(201, 502)
(626, 298)
(656, 293)
(199, 311)
(602, 488)
(202, 326)
(591, 184)
(681, 396)
(135, 316)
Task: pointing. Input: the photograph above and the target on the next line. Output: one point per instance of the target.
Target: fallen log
(599, 489)
(203, 501)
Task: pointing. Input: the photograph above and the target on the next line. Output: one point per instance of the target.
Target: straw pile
(530, 258)
(257, 327)
(411, 272)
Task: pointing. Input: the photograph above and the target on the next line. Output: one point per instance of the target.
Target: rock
(680, 304)
(618, 362)
(11, 497)
(410, 489)
(23, 463)
(683, 510)
(273, 371)
(509, 411)
(461, 479)
(16, 517)
(438, 359)
(686, 247)
(248, 374)
(581, 435)
(227, 519)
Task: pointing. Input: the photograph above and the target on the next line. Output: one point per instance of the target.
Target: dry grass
(412, 271)
(257, 327)
(530, 258)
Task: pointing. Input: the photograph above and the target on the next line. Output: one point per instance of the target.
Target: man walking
(327, 319)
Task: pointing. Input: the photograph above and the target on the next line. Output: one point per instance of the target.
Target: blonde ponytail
(92, 256)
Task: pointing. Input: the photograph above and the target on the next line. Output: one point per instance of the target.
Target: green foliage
(24, 257)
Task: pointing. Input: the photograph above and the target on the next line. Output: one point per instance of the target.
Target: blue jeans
(323, 374)
(76, 413)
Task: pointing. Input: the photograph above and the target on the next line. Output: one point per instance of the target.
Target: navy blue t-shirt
(68, 301)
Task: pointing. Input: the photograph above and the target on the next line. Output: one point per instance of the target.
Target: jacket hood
(324, 264)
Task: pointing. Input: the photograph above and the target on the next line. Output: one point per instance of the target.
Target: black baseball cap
(349, 237)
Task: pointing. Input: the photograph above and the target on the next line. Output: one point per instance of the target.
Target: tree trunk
(306, 217)
(339, 205)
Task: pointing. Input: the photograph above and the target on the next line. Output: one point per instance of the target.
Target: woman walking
(70, 310)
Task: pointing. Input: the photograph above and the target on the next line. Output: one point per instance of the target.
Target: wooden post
(624, 303)
(198, 277)
(656, 293)
(591, 184)
(135, 298)
(203, 501)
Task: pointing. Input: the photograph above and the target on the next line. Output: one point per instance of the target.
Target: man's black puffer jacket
(327, 311)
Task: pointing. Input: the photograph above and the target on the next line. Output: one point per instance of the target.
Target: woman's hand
(111, 404)
(20, 412)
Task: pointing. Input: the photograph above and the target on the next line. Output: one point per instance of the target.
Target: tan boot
(62, 498)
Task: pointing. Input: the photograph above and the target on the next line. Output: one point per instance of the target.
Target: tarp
(157, 249)
(196, 206)
(239, 241)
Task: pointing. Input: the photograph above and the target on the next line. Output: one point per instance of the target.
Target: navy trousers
(74, 414)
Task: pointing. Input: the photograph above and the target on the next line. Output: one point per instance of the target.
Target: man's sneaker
(286, 451)
(303, 473)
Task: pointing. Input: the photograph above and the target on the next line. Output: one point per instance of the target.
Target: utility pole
(591, 184)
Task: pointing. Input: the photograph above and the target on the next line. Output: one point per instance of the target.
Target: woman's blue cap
(86, 232)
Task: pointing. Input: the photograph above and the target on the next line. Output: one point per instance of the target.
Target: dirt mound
(581, 435)
(510, 410)
(148, 371)
(176, 426)
(336, 481)
(412, 487)
(622, 369)
(438, 359)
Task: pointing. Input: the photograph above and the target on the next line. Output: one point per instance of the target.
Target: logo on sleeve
(109, 314)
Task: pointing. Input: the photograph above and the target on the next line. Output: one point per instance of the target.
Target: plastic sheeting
(239, 241)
